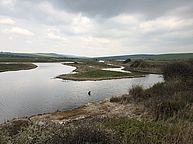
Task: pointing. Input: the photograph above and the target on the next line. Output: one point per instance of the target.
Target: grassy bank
(146, 66)
(92, 70)
(16, 66)
(170, 99)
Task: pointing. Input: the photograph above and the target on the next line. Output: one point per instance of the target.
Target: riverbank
(22, 130)
(94, 71)
(98, 109)
(14, 66)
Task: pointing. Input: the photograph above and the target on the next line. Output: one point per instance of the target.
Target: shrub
(16, 126)
(4, 138)
(115, 99)
(124, 99)
(137, 93)
(179, 70)
(53, 133)
(132, 131)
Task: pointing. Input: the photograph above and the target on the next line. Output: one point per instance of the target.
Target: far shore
(16, 66)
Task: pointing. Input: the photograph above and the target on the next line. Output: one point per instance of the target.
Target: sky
(96, 27)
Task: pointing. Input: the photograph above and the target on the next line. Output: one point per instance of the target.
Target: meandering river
(30, 92)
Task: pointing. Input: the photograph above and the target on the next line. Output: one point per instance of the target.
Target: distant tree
(127, 60)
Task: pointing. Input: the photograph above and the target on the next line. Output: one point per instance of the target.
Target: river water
(30, 92)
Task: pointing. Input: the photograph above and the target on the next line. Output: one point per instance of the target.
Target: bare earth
(97, 109)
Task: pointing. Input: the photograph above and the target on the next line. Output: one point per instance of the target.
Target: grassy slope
(146, 66)
(16, 66)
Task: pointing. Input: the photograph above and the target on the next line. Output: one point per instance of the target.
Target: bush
(167, 99)
(53, 133)
(124, 99)
(16, 126)
(115, 99)
(137, 93)
(132, 131)
(180, 70)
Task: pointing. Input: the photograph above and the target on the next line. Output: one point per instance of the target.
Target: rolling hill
(174, 56)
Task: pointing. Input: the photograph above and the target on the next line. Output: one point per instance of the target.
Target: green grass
(98, 75)
(92, 70)
(16, 66)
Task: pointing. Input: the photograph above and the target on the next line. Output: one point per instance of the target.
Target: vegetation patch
(98, 75)
(104, 131)
(146, 66)
(92, 70)
(16, 66)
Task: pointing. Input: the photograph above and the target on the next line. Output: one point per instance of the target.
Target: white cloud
(82, 24)
(19, 31)
(6, 20)
(165, 23)
(9, 4)
(54, 33)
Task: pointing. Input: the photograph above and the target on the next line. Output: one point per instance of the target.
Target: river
(30, 92)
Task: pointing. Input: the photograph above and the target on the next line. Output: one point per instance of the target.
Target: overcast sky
(96, 27)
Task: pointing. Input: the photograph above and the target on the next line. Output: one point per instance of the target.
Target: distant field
(36, 57)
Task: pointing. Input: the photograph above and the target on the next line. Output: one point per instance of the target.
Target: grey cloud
(108, 24)
(109, 8)
(150, 9)
(29, 11)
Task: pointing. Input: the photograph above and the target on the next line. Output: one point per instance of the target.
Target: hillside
(35, 57)
(174, 56)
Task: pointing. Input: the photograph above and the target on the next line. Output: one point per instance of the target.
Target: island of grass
(93, 71)
(16, 66)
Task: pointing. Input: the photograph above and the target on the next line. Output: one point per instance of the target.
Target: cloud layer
(96, 27)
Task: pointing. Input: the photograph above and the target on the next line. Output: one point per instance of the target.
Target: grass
(92, 70)
(98, 75)
(16, 66)
(146, 66)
